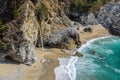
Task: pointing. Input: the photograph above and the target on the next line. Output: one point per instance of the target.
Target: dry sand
(98, 31)
(47, 60)
(43, 69)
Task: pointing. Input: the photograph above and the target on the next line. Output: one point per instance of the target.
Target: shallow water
(101, 61)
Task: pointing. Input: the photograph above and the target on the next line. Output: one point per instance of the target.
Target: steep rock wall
(20, 33)
(57, 22)
(19, 36)
(109, 16)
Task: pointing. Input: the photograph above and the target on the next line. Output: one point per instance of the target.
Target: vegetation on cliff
(9, 10)
(41, 12)
(83, 6)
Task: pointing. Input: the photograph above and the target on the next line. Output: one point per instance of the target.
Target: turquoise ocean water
(101, 60)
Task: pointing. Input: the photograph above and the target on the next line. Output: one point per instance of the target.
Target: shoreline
(47, 60)
(98, 31)
(51, 64)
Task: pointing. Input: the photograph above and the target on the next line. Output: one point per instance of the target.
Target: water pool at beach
(101, 60)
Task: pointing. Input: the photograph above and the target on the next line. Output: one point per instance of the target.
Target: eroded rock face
(109, 16)
(58, 30)
(67, 39)
(19, 36)
(89, 19)
(84, 19)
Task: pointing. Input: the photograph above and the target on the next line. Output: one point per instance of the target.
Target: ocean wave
(72, 68)
(61, 72)
(90, 41)
(113, 68)
(75, 67)
(97, 39)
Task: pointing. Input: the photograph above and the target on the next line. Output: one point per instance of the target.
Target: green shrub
(41, 11)
(83, 6)
(15, 12)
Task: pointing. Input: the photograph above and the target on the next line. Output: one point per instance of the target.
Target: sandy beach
(97, 31)
(47, 60)
(44, 66)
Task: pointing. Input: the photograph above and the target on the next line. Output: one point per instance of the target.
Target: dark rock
(91, 52)
(88, 29)
(2, 57)
(73, 16)
(78, 54)
(28, 63)
(100, 57)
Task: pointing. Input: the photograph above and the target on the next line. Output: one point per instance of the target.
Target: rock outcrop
(57, 29)
(19, 36)
(29, 21)
(84, 19)
(109, 16)
(65, 39)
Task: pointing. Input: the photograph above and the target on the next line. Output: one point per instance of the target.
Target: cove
(100, 61)
(104, 61)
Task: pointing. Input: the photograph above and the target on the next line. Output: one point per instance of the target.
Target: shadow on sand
(7, 60)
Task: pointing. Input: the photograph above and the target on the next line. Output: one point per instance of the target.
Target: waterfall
(41, 39)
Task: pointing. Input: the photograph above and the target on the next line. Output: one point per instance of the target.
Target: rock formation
(67, 38)
(18, 37)
(25, 24)
(109, 16)
(57, 29)
(21, 22)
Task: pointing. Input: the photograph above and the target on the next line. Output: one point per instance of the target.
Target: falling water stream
(41, 39)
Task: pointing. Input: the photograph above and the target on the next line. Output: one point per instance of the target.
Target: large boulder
(67, 38)
(91, 20)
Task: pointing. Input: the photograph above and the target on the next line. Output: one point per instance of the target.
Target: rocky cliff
(109, 16)
(57, 29)
(18, 36)
(23, 23)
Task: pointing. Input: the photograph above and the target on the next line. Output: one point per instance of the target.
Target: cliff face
(56, 27)
(19, 35)
(20, 32)
(109, 16)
